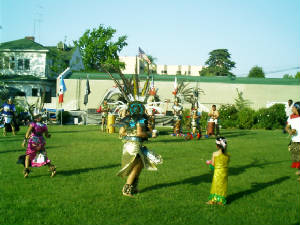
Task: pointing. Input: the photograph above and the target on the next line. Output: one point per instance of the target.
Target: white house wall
(37, 63)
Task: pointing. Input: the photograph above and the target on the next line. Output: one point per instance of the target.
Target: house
(32, 68)
(24, 57)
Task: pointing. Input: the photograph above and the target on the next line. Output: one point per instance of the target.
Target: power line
(275, 71)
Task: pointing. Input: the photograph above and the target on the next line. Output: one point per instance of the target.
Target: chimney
(31, 38)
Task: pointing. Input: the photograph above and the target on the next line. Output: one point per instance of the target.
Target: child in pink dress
(36, 155)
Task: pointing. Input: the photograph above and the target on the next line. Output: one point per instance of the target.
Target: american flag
(143, 55)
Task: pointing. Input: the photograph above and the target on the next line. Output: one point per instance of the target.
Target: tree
(256, 71)
(297, 76)
(218, 64)
(98, 50)
(240, 101)
(287, 76)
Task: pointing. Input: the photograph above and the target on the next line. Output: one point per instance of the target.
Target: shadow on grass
(238, 133)
(207, 178)
(12, 151)
(233, 171)
(256, 187)
(73, 131)
(84, 170)
(195, 180)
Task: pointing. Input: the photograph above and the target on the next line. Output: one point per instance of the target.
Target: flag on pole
(62, 89)
(175, 86)
(143, 55)
(152, 88)
(87, 92)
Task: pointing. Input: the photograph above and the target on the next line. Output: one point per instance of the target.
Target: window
(27, 64)
(6, 63)
(20, 64)
(12, 63)
(47, 97)
(34, 92)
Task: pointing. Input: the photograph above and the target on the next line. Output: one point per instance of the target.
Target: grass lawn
(262, 187)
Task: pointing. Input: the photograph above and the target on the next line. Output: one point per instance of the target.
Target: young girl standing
(219, 163)
(293, 128)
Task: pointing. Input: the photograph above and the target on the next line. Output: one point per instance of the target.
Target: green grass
(262, 186)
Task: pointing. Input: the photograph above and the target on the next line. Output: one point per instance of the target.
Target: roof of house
(158, 77)
(22, 44)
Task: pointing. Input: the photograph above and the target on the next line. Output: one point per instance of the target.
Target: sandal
(26, 172)
(128, 190)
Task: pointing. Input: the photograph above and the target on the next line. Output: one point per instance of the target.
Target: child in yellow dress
(219, 163)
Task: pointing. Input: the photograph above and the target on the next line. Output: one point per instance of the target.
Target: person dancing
(219, 163)
(8, 110)
(135, 155)
(177, 111)
(293, 128)
(36, 155)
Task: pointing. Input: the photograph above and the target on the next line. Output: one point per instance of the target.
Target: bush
(228, 116)
(270, 118)
(186, 121)
(246, 118)
(66, 116)
(203, 120)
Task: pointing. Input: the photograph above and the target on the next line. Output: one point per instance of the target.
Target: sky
(176, 32)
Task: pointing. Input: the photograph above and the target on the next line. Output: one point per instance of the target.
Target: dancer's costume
(218, 191)
(36, 145)
(133, 148)
(8, 114)
(294, 146)
(177, 118)
(195, 120)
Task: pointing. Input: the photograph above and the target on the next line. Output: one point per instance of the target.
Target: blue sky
(256, 32)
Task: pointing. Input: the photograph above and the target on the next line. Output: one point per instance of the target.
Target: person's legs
(52, 169)
(26, 169)
(130, 187)
(13, 129)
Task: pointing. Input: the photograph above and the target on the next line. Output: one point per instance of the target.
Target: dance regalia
(36, 144)
(8, 114)
(294, 146)
(133, 147)
(195, 120)
(177, 118)
(218, 191)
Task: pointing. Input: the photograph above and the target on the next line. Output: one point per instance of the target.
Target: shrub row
(246, 118)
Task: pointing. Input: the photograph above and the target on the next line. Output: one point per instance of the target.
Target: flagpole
(61, 114)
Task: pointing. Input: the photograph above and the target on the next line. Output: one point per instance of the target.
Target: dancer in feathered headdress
(135, 155)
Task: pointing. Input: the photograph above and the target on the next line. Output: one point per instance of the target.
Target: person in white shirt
(293, 128)
(288, 108)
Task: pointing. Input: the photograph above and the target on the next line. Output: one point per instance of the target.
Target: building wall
(37, 63)
(214, 93)
(183, 69)
(130, 62)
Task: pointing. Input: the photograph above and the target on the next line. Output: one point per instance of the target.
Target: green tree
(240, 102)
(218, 64)
(98, 49)
(256, 71)
(297, 76)
(287, 76)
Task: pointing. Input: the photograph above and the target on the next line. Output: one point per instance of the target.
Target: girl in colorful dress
(219, 163)
(293, 128)
(135, 155)
(36, 155)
